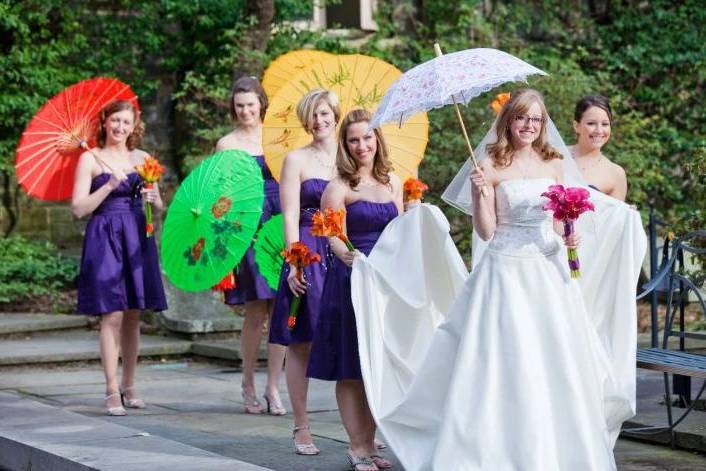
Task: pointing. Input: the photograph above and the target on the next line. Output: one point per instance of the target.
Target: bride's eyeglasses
(529, 119)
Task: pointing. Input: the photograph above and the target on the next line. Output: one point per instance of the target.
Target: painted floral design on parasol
(62, 129)
(211, 220)
(360, 82)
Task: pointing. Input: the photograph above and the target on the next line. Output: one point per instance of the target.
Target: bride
(507, 369)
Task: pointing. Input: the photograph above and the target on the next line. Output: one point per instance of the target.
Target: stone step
(224, 350)
(18, 323)
(34, 435)
(66, 346)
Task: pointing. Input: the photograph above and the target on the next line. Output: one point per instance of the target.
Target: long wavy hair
(519, 104)
(134, 139)
(346, 163)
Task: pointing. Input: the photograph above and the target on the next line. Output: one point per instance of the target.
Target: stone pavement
(195, 413)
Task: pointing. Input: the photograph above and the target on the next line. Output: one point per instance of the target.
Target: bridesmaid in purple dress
(305, 174)
(248, 104)
(372, 197)
(120, 273)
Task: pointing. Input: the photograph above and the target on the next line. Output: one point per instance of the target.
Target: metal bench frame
(681, 364)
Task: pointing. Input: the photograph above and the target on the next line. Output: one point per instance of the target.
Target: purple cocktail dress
(250, 285)
(334, 349)
(309, 201)
(119, 264)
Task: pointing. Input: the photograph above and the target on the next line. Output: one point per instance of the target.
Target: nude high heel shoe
(116, 411)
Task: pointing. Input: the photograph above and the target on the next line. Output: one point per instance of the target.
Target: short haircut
(307, 106)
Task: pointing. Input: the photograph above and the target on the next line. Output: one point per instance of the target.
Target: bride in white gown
(506, 370)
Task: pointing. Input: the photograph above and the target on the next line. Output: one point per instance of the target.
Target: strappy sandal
(357, 461)
(380, 462)
(131, 403)
(252, 406)
(308, 449)
(380, 445)
(117, 411)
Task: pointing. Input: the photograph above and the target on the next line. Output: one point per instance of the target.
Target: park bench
(676, 285)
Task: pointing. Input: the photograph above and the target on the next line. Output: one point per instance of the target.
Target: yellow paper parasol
(360, 82)
(281, 70)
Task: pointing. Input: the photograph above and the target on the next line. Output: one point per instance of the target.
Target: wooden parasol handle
(483, 192)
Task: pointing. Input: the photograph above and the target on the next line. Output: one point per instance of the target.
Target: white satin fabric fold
(505, 369)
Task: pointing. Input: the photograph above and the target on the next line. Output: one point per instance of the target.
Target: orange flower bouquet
(413, 189)
(329, 223)
(150, 171)
(298, 255)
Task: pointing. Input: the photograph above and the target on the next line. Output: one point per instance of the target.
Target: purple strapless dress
(334, 349)
(119, 264)
(250, 285)
(315, 274)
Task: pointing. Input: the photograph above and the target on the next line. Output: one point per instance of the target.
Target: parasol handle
(483, 192)
(84, 145)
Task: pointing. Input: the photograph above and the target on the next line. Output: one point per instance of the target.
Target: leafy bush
(29, 269)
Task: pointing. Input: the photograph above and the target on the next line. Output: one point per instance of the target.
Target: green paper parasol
(268, 250)
(211, 220)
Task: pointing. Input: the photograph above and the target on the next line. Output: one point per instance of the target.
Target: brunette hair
(599, 101)
(135, 138)
(248, 85)
(307, 106)
(347, 165)
(519, 104)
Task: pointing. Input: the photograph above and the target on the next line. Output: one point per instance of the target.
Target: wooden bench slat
(672, 361)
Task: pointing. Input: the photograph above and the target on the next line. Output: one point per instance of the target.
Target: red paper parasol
(63, 128)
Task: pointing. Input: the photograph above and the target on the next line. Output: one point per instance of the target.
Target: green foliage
(30, 269)
(648, 57)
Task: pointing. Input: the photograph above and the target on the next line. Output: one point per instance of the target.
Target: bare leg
(356, 417)
(298, 386)
(275, 364)
(130, 346)
(250, 336)
(109, 348)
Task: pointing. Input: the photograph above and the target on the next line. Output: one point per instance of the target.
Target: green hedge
(29, 268)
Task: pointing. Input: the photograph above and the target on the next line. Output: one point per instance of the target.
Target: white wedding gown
(505, 369)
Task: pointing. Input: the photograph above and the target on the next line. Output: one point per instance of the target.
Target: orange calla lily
(299, 255)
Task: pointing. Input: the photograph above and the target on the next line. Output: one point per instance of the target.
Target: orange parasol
(360, 82)
(63, 128)
(281, 70)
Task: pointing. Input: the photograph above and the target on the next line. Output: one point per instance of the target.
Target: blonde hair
(135, 138)
(520, 102)
(307, 106)
(348, 166)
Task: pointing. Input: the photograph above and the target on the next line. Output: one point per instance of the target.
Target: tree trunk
(9, 202)
(256, 39)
